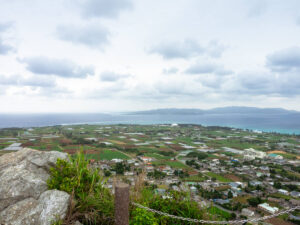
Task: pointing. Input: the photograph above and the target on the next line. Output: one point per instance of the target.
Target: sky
(125, 55)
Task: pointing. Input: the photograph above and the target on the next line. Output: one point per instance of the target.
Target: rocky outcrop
(24, 198)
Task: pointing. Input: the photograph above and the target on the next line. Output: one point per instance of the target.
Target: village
(233, 172)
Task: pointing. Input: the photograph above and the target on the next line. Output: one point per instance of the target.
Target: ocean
(289, 124)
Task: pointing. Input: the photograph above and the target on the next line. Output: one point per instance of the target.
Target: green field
(176, 164)
(218, 177)
(220, 213)
(195, 178)
(173, 164)
(107, 155)
(157, 156)
(287, 155)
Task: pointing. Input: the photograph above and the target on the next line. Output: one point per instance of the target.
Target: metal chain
(216, 222)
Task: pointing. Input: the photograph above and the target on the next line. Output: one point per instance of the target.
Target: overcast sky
(120, 55)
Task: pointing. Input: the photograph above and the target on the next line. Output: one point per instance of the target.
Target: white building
(255, 153)
(266, 207)
(117, 160)
(284, 192)
(146, 159)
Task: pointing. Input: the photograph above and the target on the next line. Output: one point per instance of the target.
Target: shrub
(178, 203)
(142, 217)
(93, 204)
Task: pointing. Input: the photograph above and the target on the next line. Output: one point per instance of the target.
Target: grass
(218, 177)
(176, 164)
(157, 156)
(287, 155)
(216, 211)
(107, 155)
(234, 143)
(173, 164)
(278, 195)
(241, 199)
(195, 178)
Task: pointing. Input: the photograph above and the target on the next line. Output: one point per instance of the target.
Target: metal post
(121, 204)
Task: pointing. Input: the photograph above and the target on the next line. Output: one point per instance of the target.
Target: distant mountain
(172, 111)
(223, 110)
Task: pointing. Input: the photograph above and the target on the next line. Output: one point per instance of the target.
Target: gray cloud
(5, 26)
(200, 68)
(284, 84)
(170, 70)
(91, 35)
(186, 49)
(285, 60)
(298, 21)
(112, 76)
(58, 67)
(4, 47)
(172, 50)
(215, 49)
(104, 8)
(33, 81)
(257, 8)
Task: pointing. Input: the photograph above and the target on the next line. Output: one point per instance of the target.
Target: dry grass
(276, 152)
(138, 186)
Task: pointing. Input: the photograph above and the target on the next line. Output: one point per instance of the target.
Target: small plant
(175, 203)
(142, 217)
(92, 203)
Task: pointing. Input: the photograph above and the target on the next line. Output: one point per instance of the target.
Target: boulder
(24, 198)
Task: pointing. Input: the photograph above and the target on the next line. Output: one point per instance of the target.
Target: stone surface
(54, 205)
(24, 198)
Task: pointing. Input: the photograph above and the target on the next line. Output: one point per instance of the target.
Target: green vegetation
(221, 213)
(107, 155)
(178, 203)
(218, 177)
(176, 164)
(92, 203)
(157, 156)
(254, 201)
(195, 178)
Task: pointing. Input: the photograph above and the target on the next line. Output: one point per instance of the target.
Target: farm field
(218, 177)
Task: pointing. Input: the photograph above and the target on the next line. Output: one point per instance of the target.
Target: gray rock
(18, 183)
(54, 205)
(51, 206)
(24, 198)
(23, 212)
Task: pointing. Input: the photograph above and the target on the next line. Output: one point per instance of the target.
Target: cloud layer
(112, 76)
(104, 8)
(59, 67)
(285, 60)
(4, 47)
(130, 54)
(186, 49)
(93, 36)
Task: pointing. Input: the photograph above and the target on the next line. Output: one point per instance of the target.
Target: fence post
(121, 204)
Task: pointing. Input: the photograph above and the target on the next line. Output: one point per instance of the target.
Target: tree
(277, 185)
(230, 195)
(120, 168)
(233, 215)
(254, 201)
(107, 173)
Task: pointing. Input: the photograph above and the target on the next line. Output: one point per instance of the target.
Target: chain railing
(217, 222)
